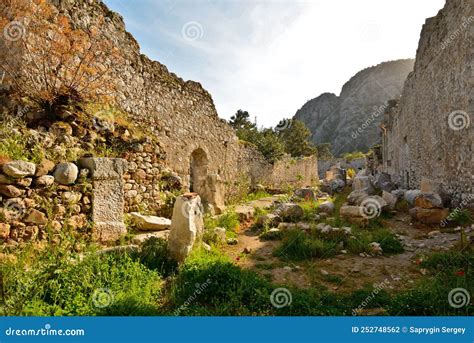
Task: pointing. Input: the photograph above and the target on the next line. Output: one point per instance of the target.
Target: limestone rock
(244, 212)
(25, 182)
(5, 180)
(78, 221)
(363, 183)
(390, 199)
(429, 215)
(19, 169)
(186, 225)
(4, 231)
(70, 198)
(269, 219)
(356, 197)
(327, 207)
(411, 195)
(384, 182)
(44, 167)
(143, 237)
(292, 226)
(428, 200)
(10, 191)
(354, 214)
(36, 217)
(66, 173)
(44, 181)
(150, 223)
(289, 211)
(306, 194)
(375, 248)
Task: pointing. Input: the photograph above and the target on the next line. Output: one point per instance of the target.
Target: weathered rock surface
(306, 194)
(150, 223)
(187, 225)
(327, 207)
(342, 121)
(66, 173)
(289, 211)
(429, 216)
(19, 169)
(428, 200)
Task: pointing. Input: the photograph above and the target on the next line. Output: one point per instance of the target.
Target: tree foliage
(273, 144)
(296, 139)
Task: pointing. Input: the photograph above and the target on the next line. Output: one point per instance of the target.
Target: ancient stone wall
(430, 133)
(324, 165)
(195, 146)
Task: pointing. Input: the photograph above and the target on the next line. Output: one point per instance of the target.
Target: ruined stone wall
(324, 165)
(430, 133)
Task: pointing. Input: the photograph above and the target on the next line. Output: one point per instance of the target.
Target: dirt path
(345, 272)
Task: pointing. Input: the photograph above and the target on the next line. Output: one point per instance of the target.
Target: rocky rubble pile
(42, 199)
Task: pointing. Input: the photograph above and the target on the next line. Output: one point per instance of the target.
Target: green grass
(255, 196)
(15, 147)
(297, 246)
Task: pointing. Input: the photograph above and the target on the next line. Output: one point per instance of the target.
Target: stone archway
(198, 170)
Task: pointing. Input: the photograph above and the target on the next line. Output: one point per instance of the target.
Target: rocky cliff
(349, 122)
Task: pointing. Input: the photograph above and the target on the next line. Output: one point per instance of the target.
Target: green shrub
(56, 284)
(296, 245)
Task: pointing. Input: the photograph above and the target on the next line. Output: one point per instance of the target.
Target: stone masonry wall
(430, 133)
(178, 114)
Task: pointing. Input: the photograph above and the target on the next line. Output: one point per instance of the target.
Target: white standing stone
(19, 169)
(187, 225)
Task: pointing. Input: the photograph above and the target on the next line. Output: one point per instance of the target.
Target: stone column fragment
(107, 197)
(187, 225)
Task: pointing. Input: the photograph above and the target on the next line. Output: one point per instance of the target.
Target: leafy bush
(61, 284)
(296, 245)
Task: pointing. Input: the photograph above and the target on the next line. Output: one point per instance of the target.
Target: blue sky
(270, 57)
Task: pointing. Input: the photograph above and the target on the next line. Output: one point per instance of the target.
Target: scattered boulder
(399, 193)
(356, 197)
(384, 182)
(363, 183)
(44, 167)
(232, 241)
(354, 214)
(375, 248)
(327, 207)
(187, 225)
(269, 219)
(429, 215)
(19, 169)
(244, 212)
(44, 181)
(428, 200)
(10, 191)
(150, 223)
(220, 233)
(143, 237)
(4, 231)
(289, 211)
(70, 198)
(291, 226)
(410, 195)
(305, 193)
(390, 199)
(66, 173)
(36, 217)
